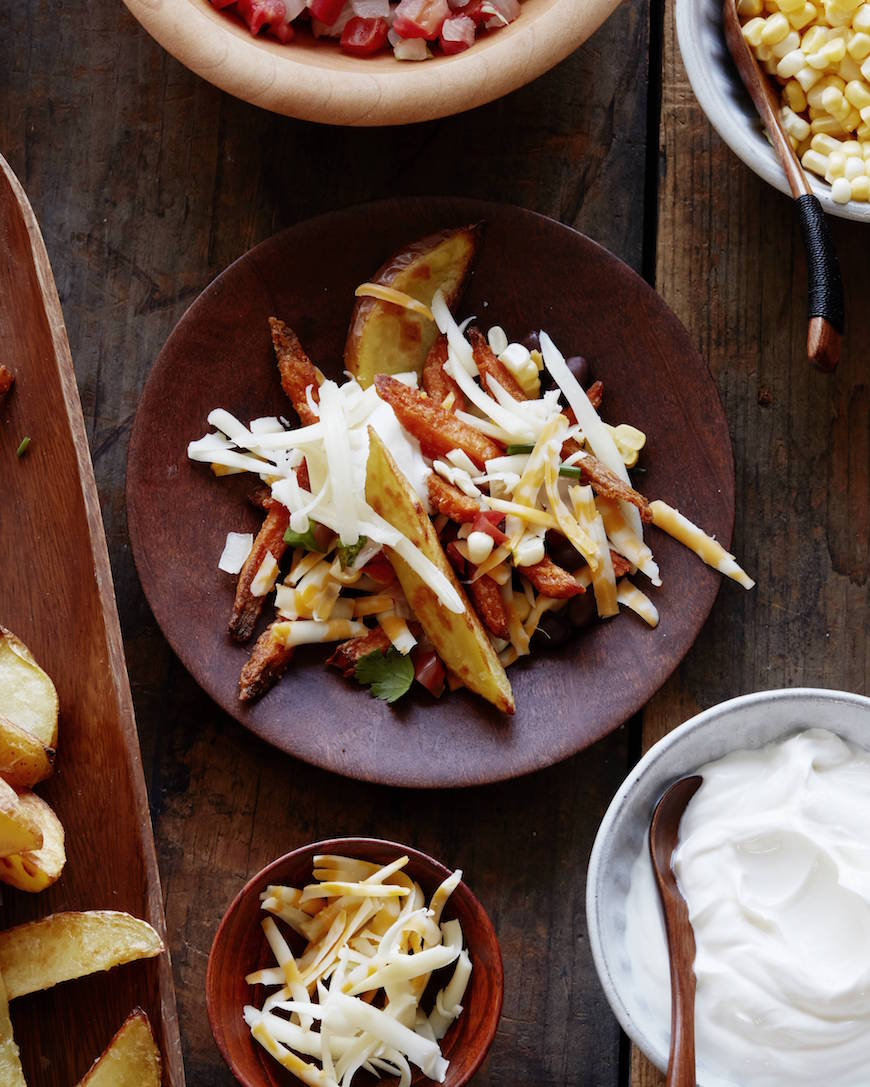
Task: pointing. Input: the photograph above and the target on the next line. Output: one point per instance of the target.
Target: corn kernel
(863, 134)
(815, 162)
(794, 95)
(825, 145)
(747, 9)
(752, 31)
(794, 125)
(790, 64)
(814, 38)
(858, 94)
(786, 6)
(841, 191)
(834, 50)
(834, 102)
(775, 28)
(815, 95)
(848, 70)
(803, 16)
(860, 188)
(851, 147)
(836, 164)
(861, 19)
(807, 78)
(829, 125)
(859, 46)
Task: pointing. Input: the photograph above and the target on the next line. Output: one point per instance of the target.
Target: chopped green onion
(570, 472)
(303, 539)
(348, 555)
(22, 449)
(514, 449)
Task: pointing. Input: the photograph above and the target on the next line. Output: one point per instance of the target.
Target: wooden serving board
(56, 594)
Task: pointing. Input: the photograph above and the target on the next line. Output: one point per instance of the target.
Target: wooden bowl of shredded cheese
(354, 953)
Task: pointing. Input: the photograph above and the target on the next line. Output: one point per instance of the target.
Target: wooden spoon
(826, 306)
(663, 834)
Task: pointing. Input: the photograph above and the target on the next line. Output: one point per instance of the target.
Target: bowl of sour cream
(774, 863)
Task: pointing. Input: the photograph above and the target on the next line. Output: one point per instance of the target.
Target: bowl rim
(337, 845)
(648, 762)
(202, 39)
(750, 147)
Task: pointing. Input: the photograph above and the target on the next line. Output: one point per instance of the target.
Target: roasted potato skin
(348, 653)
(131, 1059)
(27, 695)
(388, 339)
(268, 661)
(459, 639)
(24, 760)
(36, 869)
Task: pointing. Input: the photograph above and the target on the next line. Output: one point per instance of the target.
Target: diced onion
(236, 550)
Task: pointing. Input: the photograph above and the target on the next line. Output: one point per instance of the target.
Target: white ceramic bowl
(729, 108)
(315, 81)
(747, 722)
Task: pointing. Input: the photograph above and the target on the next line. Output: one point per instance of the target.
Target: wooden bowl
(240, 947)
(315, 81)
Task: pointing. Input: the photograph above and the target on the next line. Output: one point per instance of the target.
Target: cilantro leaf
(347, 555)
(303, 539)
(389, 675)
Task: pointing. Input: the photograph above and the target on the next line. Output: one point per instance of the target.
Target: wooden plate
(316, 81)
(532, 273)
(56, 594)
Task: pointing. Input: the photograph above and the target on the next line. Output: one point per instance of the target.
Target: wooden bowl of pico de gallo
(370, 62)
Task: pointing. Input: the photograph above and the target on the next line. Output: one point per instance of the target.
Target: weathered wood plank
(730, 263)
(147, 182)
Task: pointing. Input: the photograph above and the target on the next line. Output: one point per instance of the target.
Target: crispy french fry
(489, 606)
(296, 369)
(551, 580)
(131, 1059)
(608, 484)
(437, 384)
(621, 565)
(434, 427)
(488, 365)
(595, 393)
(445, 498)
(267, 663)
(458, 638)
(348, 653)
(11, 1072)
(63, 946)
(269, 540)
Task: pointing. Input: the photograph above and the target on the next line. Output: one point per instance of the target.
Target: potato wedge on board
(64, 946)
(460, 640)
(131, 1059)
(27, 695)
(387, 339)
(11, 1074)
(19, 829)
(37, 869)
(24, 760)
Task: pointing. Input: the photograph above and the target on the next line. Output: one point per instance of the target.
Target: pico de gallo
(412, 29)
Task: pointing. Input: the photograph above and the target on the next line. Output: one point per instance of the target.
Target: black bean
(580, 368)
(553, 629)
(531, 342)
(583, 610)
(562, 551)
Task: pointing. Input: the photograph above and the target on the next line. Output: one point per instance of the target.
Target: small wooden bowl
(240, 947)
(315, 81)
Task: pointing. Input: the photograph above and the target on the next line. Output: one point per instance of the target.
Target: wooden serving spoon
(826, 306)
(663, 834)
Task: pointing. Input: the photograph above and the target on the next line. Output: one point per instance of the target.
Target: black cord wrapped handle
(823, 265)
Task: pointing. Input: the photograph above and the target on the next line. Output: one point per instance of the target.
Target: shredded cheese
(705, 547)
(631, 597)
(398, 298)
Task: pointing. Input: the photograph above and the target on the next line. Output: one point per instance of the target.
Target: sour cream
(774, 863)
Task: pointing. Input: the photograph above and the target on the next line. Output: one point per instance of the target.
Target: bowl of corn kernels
(817, 54)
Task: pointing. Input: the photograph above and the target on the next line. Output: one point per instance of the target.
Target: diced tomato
(457, 34)
(380, 570)
(261, 13)
(428, 669)
(326, 11)
(362, 37)
(282, 32)
(420, 18)
(471, 10)
(456, 559)
(221, 3)
(488, 521)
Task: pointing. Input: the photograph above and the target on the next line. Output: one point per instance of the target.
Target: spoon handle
(681, 1060)
(826, 304)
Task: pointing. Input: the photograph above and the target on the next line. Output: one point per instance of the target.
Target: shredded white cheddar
(705, 547)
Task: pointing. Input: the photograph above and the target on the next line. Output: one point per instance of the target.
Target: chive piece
(570, 472)
(512, 449)
(22, 449)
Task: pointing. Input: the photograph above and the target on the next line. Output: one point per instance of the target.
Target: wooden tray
(56, 594)
(532, 273)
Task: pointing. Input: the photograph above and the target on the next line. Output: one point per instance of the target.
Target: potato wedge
(27, 695)
(11, 1073)
(131, 1059)
(24, 760)
(19, 829)
(64, 946)
(386, 339)
(37, 868)
(459, 640)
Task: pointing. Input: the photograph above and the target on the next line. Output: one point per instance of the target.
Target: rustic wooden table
(148, 181)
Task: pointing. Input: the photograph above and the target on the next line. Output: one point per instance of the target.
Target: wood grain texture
(56, 594)
(147, 182)
(730, 261)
